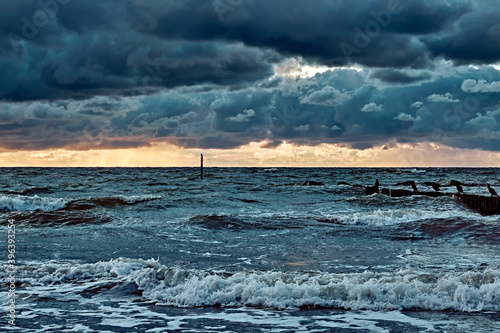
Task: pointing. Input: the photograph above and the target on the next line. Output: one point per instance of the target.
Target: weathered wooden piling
(484, 205)
(201, 167)
(397, 193)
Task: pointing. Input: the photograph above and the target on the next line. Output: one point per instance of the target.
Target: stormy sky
(221, 74)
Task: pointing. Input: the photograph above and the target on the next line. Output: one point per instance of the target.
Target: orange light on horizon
(253, 154)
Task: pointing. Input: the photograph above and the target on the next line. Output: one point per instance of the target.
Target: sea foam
(469, 291)
(19, 203)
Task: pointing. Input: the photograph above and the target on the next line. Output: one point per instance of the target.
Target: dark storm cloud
(474, 39)
(87, 67)
(58, 49)
(101, 47)
(399, 76)
(80, 49)
(120, 74)
(374, 33)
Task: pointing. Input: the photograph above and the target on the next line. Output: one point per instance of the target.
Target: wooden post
(201, 168)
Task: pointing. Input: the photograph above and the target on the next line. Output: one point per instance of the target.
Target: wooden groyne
(484, 205)
(396, 193)
(487, 205)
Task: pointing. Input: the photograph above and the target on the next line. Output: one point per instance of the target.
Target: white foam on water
(412, 170)
(126, 316)
(380, 215)
(138, 198)
(282, 322)
(122, 268)
(368, 320)
(52, 328)
(54, 273)
(469, 291)
(129, 199)
(80, 328)
(19, 203)
(385, 217)
(210, 254)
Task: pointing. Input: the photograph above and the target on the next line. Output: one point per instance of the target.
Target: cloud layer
(220, 74)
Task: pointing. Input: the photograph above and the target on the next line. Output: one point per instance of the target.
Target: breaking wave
(121, 200)
(468, 291)
(385, 217)
(19, 203)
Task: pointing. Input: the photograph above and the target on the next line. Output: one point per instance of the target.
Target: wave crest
(19, 203)
(469, 291)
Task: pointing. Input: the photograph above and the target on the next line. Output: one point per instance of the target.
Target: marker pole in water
(201, 168)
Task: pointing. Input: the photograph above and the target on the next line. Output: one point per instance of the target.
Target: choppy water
(247, 250)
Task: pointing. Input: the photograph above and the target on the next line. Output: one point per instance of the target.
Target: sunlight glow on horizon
(254, 155)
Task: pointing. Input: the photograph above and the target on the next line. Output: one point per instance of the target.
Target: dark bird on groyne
(406, 183)
(459, 188)
(409, 183)
(435, 186)
(455, 182)
(492, 191)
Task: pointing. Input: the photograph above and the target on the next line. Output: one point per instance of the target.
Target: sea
(246, 250)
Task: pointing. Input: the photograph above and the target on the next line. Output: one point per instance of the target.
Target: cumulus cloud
(302, 128)
(417, 105)
(333, 128)
(446, 98)
(405, 117)
(486, 121)
(207, 119)
(328, 96)
(371, 107)
(246, 115)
